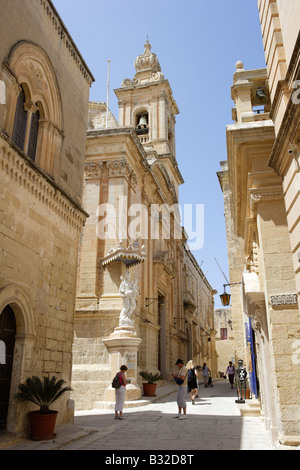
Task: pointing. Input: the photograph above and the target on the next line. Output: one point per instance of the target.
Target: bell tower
(146, 104)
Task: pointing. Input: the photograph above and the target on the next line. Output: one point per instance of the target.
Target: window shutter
(223, 333)
(20, 122)
(34, 129)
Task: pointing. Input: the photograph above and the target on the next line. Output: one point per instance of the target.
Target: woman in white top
(231, 372)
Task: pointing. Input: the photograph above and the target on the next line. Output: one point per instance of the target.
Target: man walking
(181, 380)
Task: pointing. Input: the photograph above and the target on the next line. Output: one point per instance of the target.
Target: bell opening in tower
(142, 123)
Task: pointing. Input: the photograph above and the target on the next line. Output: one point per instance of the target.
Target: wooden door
(7, 342)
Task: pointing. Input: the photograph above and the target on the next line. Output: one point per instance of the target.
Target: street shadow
(156, 430)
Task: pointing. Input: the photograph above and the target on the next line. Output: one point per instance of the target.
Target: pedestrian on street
(120, 393)
(182, 387)
(231, 372)
(205, 374)
(192, 380)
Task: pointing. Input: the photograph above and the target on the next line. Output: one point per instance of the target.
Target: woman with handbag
(181, 380)
(120, 393)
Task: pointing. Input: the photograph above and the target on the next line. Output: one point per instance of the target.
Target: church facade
(131, 195)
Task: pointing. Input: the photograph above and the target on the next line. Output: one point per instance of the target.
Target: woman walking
(192, 380)
(205, 374)
(231, 372)
(120, 393)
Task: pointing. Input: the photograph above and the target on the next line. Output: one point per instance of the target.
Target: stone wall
(40, 196)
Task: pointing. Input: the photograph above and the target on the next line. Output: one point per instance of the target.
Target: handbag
(179, 381)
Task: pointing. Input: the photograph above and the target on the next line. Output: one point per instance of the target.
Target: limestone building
(260, 185)
(44, 91)
(224, 339)
(131, 195)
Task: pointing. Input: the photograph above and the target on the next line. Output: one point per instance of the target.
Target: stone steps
(250, 407)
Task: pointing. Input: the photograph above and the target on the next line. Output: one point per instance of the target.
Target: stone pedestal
(122, 346)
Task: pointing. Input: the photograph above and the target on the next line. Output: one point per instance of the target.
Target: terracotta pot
(149, 389)
(42, 426)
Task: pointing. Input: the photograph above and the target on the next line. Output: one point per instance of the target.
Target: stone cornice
(175, 165)
(130, 85)
(245, 141)
(22, 169)
(67, 40)
(121, 131)
(267, 193)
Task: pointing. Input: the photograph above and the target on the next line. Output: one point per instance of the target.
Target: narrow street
(213, 423)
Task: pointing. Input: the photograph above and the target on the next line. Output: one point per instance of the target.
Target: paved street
(213, 423)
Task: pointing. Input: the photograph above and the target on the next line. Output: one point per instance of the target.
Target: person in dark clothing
(192, 380)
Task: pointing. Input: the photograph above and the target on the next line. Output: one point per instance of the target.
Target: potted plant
(43, 394)
(150, 385)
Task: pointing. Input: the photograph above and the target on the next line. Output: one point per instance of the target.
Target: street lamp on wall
(225, 297)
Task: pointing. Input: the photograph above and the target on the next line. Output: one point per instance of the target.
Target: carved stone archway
(29, 66)
(18, 299)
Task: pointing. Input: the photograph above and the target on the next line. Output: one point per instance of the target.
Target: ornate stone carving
(147, 61)
(267, 194)
(252, 260)
(118, 168)
(157, 76)
(147, 68)
(93, 169)
(38, 75)
(132, 255)
(128, 83)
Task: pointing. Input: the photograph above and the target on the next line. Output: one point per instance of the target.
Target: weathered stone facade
(43, 80)
(263, 217)
(131, 172)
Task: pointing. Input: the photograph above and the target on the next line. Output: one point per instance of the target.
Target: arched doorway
(7, 342)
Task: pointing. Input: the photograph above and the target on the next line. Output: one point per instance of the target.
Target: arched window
(142, 123)
(20, 121)
(26, 125)
(33, 134)
(34, 120)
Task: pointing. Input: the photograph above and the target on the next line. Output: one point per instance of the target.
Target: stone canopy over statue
(128, 290)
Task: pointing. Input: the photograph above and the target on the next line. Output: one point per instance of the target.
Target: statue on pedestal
(241, 381)
(128, 290)
(123, 343)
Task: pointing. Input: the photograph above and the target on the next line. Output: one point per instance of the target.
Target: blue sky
(197, 43)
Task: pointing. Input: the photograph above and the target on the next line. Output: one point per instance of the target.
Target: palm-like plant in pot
(150, 385)
(43, 394)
